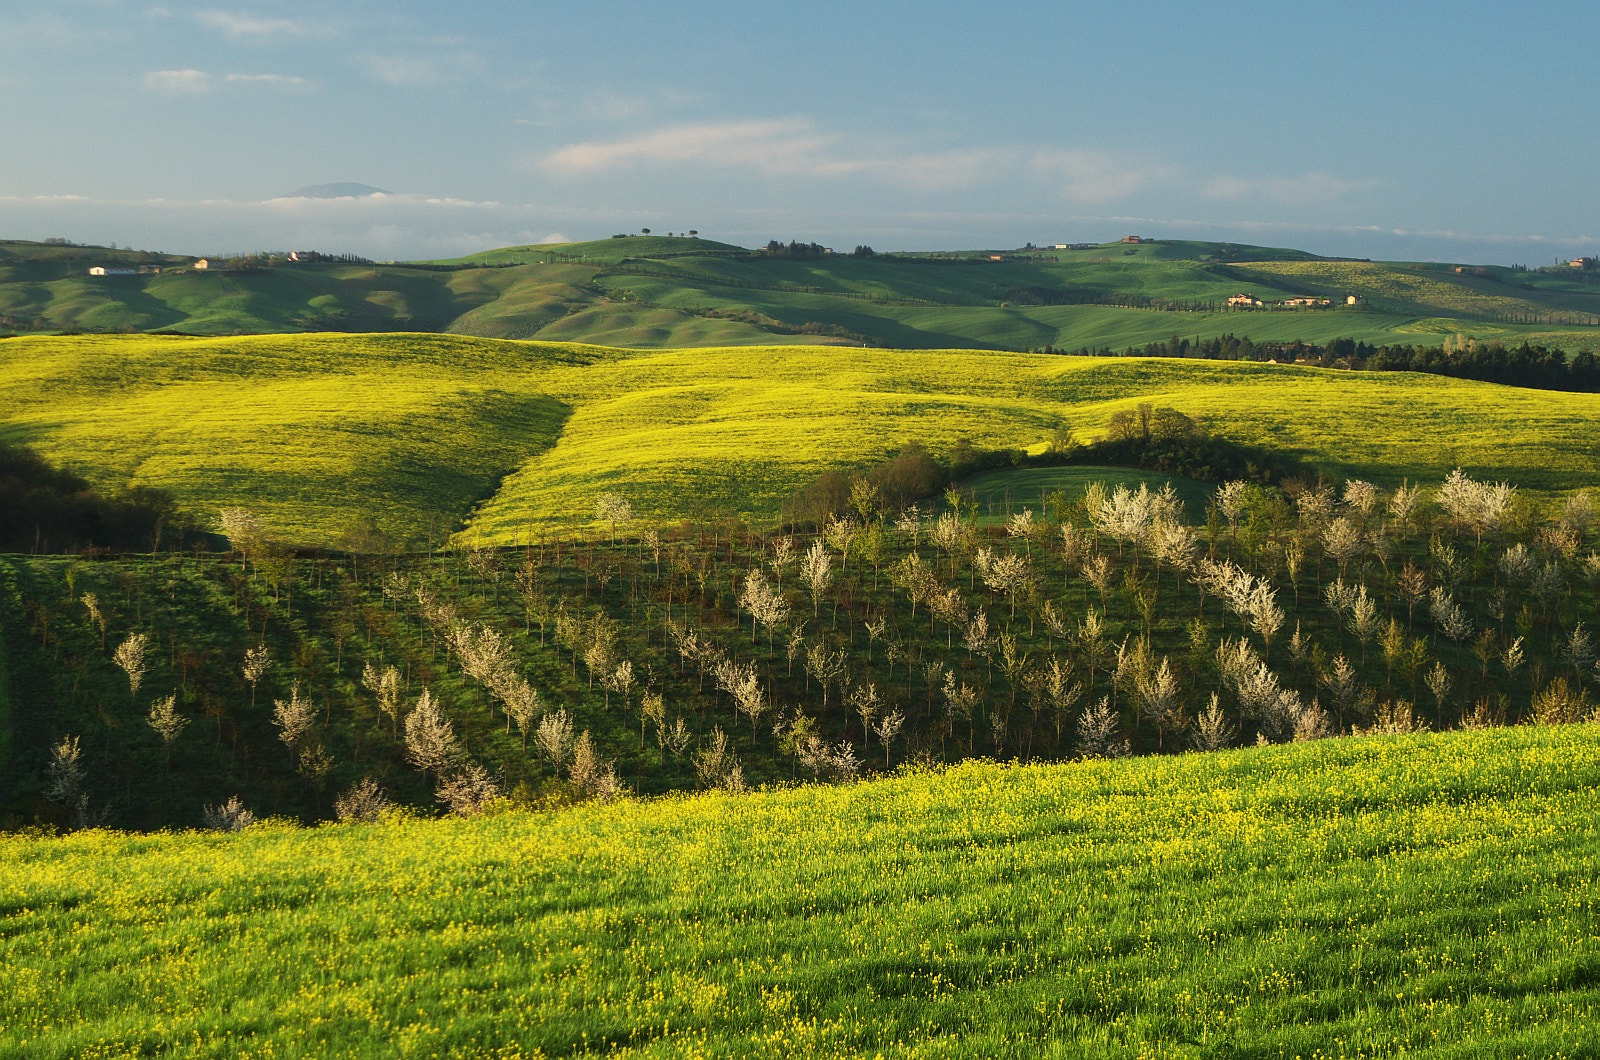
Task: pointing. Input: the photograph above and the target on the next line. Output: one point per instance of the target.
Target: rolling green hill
(666, 291)
(1431, 895)
(425, 433)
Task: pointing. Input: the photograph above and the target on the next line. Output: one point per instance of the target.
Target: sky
(1457, 131)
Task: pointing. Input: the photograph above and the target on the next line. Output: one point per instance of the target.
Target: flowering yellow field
(1437, 895)
(423, 432)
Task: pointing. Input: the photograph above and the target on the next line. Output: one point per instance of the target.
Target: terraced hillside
(425, 433)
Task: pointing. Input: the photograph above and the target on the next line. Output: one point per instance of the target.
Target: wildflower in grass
(130, 656)
(363, 802)
(230, 816)
(167, 722)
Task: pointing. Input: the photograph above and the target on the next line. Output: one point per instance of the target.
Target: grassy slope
(652, 292)
(679, 430)
(1425, 895)
(413, 429)
(310, 431)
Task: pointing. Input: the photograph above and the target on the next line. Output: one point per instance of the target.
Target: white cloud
(1307, 187)
(276, 80)
(796, 146)
(772, 146)
(238, 26)
(178, 82)
(404, 72)
(199, 82)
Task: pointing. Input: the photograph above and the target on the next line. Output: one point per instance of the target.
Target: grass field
(650, 292)
(418, 431)
(1430, 895)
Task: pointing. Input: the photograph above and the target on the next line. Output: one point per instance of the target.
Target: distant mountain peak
(342, 190)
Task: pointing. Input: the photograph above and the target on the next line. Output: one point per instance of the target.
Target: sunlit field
(425, 432)
(1433, 895)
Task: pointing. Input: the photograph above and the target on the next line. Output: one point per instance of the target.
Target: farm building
(1248, 301)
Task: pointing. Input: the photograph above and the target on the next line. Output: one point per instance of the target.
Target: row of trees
(1462, 357)
(721, 655)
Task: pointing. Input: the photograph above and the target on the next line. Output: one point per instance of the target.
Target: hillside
(671, 291)
(426, 434)
(1431, 896)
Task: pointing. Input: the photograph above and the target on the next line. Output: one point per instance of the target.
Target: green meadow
(652, 292)
(431, 434)
(1385, 896)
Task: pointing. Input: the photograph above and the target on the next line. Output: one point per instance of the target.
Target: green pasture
(1423, 895)
(650, 292)
(424, 433)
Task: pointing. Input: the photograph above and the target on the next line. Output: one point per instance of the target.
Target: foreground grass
(1368, 897)
(414, 430)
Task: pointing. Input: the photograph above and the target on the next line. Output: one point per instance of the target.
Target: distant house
(101, 270)
(1246, 301)
(1576, 263)
(1350, 300)
(1307, 301)
(1133, 239)
(1063, 246)
(997, 257)
(202, 264)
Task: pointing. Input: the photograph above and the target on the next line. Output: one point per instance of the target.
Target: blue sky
(1457, 131)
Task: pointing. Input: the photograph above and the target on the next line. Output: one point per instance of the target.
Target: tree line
(1462, 357)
